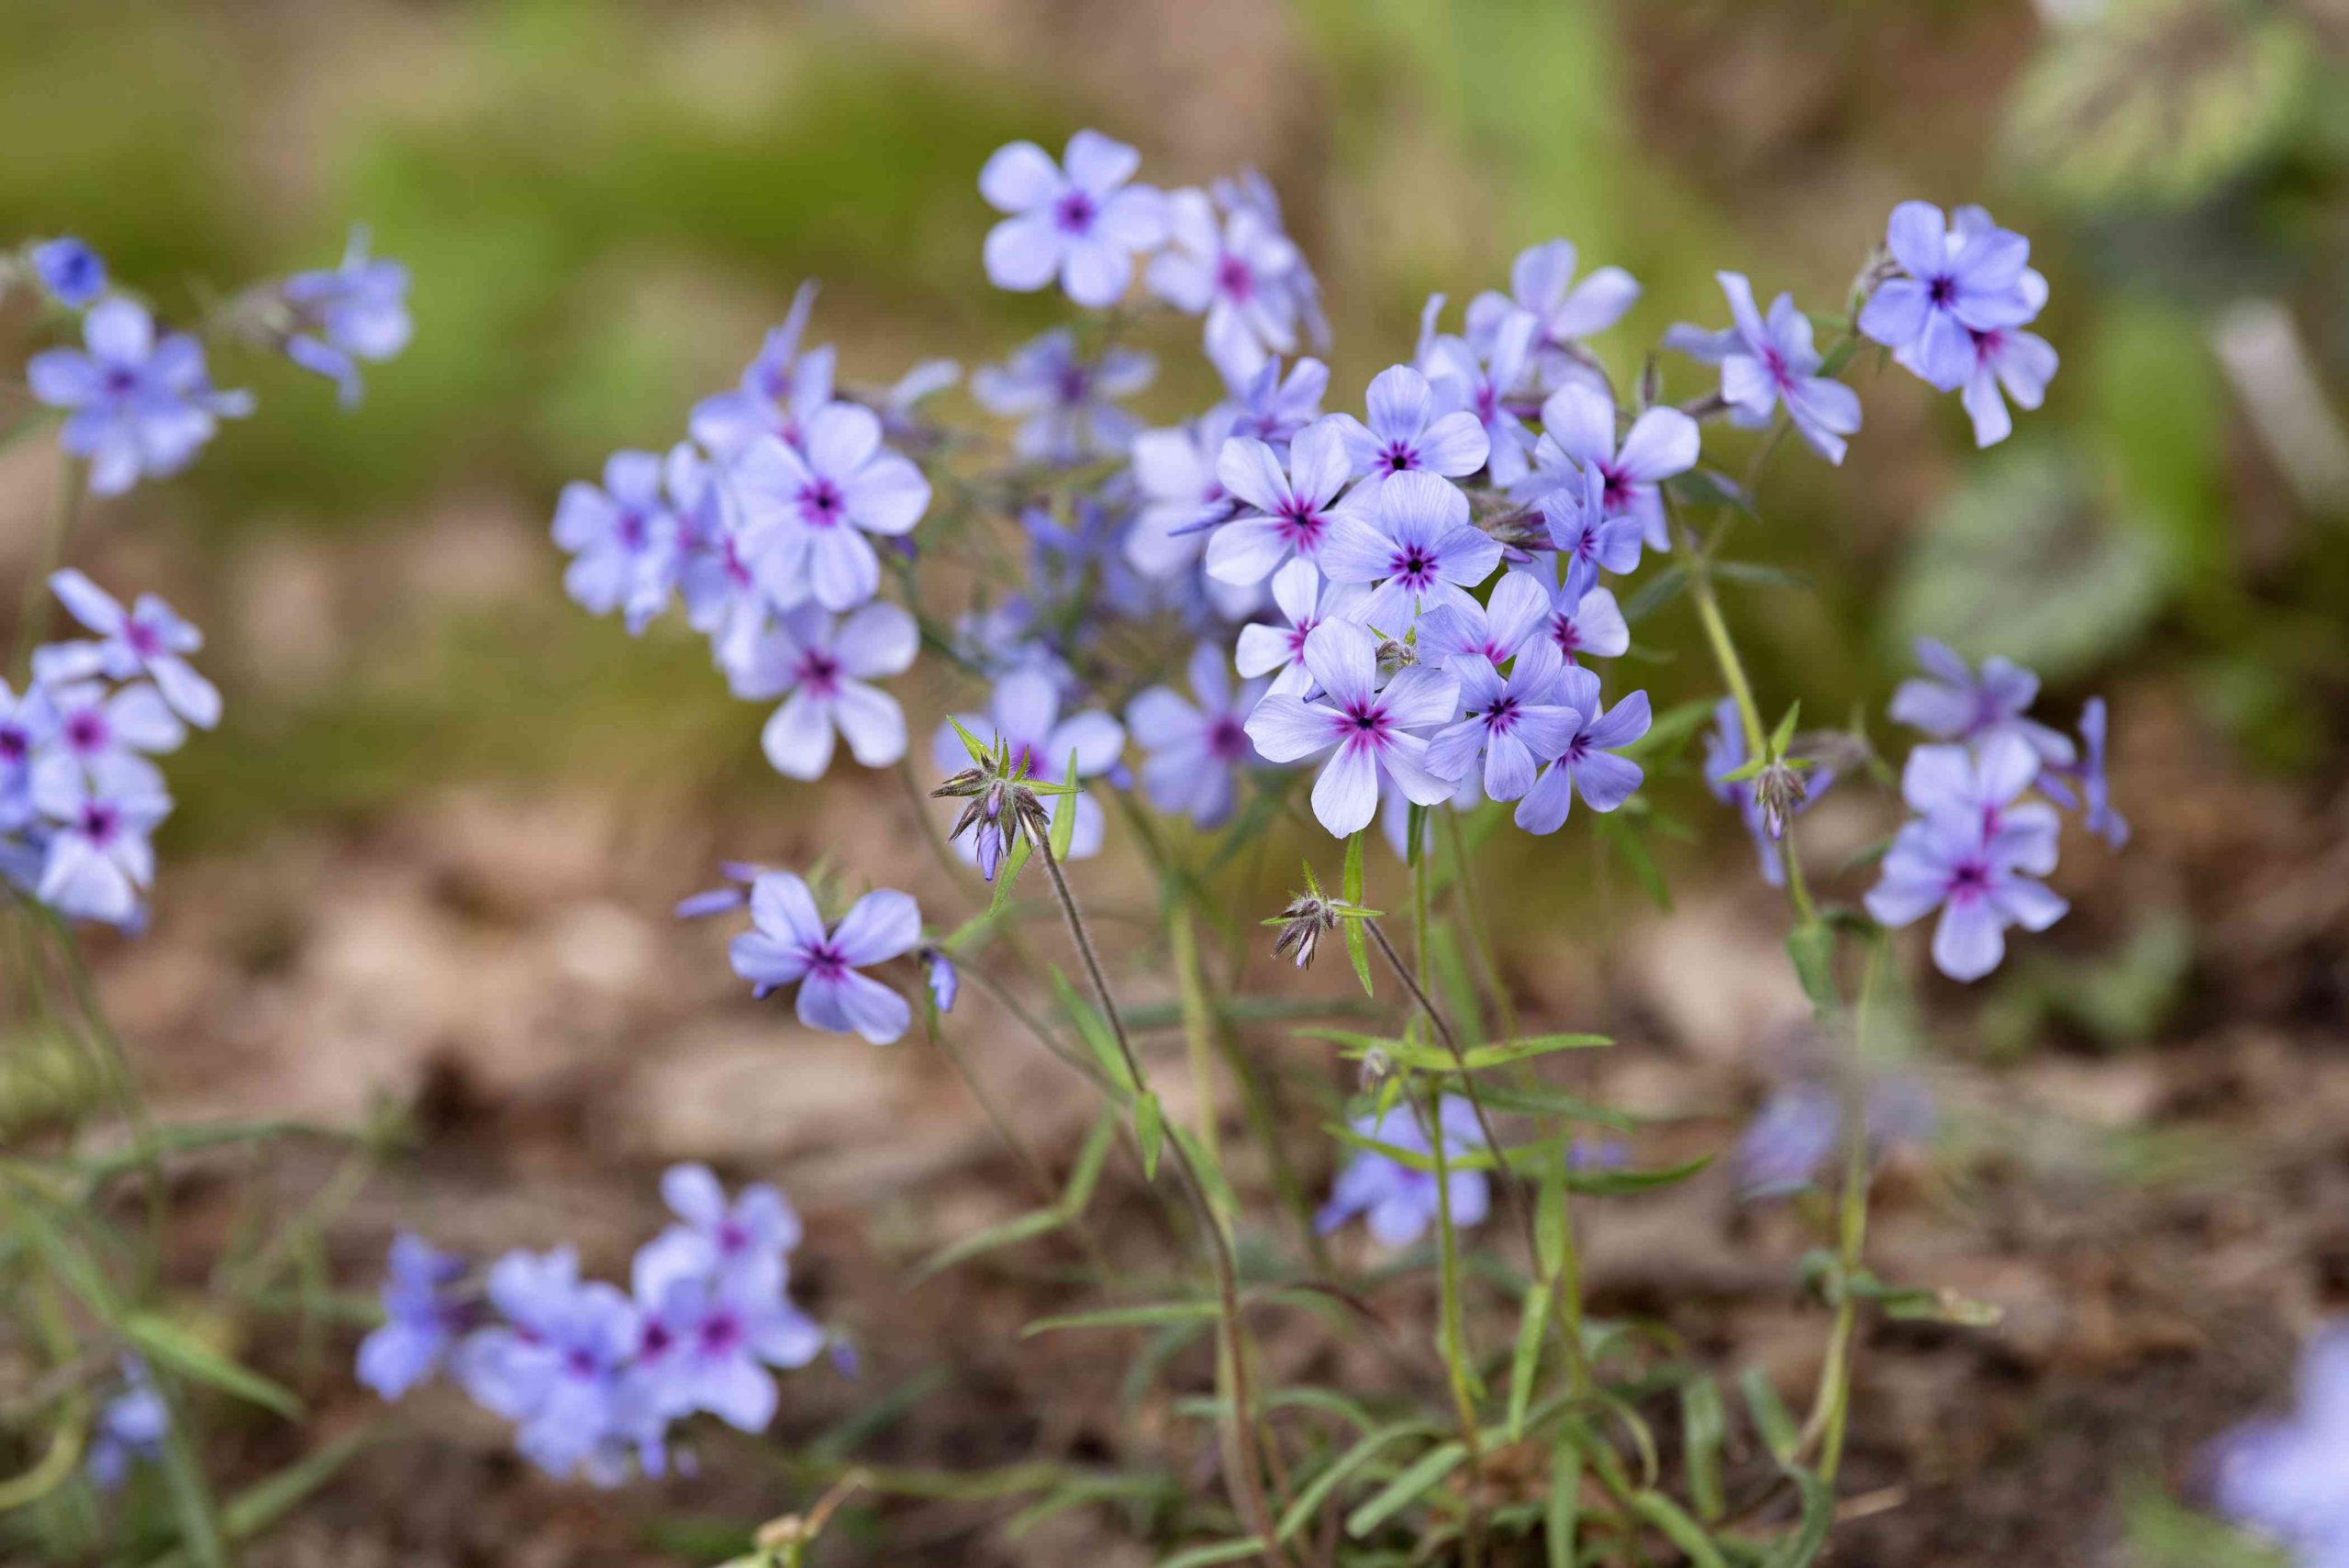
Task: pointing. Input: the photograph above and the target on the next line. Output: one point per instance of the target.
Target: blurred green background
(604, 205)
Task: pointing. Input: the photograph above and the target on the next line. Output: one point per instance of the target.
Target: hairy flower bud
(1308, 918)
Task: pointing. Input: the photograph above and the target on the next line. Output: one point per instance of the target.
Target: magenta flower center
(98, 822)
(1234, 279)
(1074, 213)
(819, 672)
(721, 1334)
(821, 503)
(86, 732)
(1400, 458)
(1227, 741)
(144, 640)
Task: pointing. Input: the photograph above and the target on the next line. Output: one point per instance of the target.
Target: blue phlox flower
(1304, 600)
(1588, 765)
(750, 1233)
(422, 1317)
(139, 406)
(1242, 271)
(735, 893)
(1957, 279)
(1587, 541)
(355, 312)
(1975, 852)
(805, 513)
(1424, 554)
(1024, 713)
(1067, 406)
(1798, 1135)
(622, 539)
(1398, 1205)
(1376, 732)
(1483, 382)
(790, 944)
(1497, 630)
(1287, 509)
(1769, 362)
(2056, 780)
(72, 273)
(706, 1342)
(1248, 191)
(1078, 220)
(1181, 494)
(98, 859)
(1565, 311)
(131, 1427)
(779, 389)
(1579, 420)
(149, 640)
(1953, 702)
(1196, 747)
(945, 979)
(1407, 431)
(1515, 720)
(2287, 1477)
(1272, 407)
(823, 666)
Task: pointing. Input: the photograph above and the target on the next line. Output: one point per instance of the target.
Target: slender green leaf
(1094, 1029)
(1604, 1183)
(1091, 1156)
(1011, 1232)
(1564, 1503)
(1811, 946)
(1123, 1318)
(1149, 1131)
(1427, 1472)
(1809, 1538)
(1704, 1428)
(166, 1342)
(1527, 1361)
(1678, 1529)
(1308, 1503)
(1771, 1417)
(1063, 830)
(1217, 1551)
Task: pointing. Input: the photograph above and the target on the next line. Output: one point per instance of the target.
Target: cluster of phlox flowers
(138, 397)
(766, 525)
(80, 793)
(594, 1376)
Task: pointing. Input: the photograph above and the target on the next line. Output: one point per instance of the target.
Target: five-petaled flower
(141, 404)
(790, 944)
(805, 513)
(1377, 733)
(1766, 362)
(1077, 221)
(1195, 748)
(1424, 554)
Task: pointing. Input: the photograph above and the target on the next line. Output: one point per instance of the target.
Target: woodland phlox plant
(1405, 597)
(89, 717)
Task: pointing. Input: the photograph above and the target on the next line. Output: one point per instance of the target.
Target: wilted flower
(1024, 723)
(791, 944)
(1077, 221)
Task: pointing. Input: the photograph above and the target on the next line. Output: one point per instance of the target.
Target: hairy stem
(1831, 1407)
(1245, 1459)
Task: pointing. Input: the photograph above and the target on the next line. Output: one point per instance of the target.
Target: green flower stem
(1566, 1299)
(1243, 1461)
(1831, 1407)
(1456, 1363)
